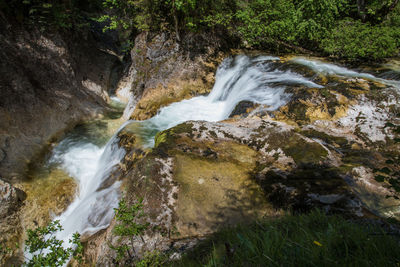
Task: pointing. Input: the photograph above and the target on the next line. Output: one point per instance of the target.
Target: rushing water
(259, 79)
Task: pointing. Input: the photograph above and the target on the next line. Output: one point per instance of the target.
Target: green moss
(213, 191)
(359, 158)
(167, 137)
(213, 134)
(297, 111)
(186, 128)
(311, 133)
(385, 170)
(304, 152)
(379, 178)
(161, 137)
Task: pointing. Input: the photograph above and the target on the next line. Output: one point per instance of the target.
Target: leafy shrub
(356, 40)
(316, 18)
(263, 21)
(128, 217)
(47, 250)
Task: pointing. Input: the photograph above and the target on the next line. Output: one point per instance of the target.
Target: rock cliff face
(48, 82)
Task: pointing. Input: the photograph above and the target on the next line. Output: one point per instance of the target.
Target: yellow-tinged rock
(47, 195)
(217, 192)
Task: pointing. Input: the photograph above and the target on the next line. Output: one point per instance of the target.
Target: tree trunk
(176, 22)
(361, 9)
(386, 9)
(381, 13)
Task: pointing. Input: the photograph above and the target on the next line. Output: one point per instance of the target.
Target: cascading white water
(331, 69)
(237, 79)
(257, 79)
(93, 207)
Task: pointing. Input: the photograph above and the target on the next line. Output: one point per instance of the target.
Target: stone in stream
(243, 108)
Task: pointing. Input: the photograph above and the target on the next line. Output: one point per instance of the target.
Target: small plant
(128, 226)
(47, 250)
(4, 251)
(154, 258)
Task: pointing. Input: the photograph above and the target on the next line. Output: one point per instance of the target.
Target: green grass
(305, 240)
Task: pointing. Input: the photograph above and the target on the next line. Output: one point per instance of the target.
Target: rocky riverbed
(274, 134)
(332, 146)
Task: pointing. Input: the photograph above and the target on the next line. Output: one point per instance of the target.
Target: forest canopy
(352, 29)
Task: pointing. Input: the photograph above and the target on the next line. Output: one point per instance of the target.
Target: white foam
(115, 99)
(91, 166)
(331, 69)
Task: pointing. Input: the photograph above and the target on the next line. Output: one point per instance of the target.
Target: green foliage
(49, 13)
(128, 226)
(318, 25)
(47, 250)
(306, 240)
(357, 40)
(264, 21)
(142, 15)
(152, 259)
(299, 22)
(317, 17)
(127, 217)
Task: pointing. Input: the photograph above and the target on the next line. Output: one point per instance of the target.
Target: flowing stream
(261, 79)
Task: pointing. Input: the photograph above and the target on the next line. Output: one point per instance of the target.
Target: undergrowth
(304, 240)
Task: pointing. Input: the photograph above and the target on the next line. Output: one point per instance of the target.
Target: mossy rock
(201, 185)
(336, 141)
(305, 189)
(303, 151)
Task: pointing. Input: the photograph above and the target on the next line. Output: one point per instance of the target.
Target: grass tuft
(314, 239)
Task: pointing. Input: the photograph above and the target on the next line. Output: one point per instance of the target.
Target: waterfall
(98, 194)
(258, 79)
(240, 78)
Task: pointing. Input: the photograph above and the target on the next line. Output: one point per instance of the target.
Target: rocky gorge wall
(48, 82)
